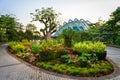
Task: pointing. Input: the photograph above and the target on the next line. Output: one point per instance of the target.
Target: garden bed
(68, 62)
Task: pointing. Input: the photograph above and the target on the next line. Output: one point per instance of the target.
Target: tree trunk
(48, 36)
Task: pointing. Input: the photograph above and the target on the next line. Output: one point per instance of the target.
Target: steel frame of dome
(75, 24)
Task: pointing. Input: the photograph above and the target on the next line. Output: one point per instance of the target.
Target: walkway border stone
(113, 46)
(115, 73)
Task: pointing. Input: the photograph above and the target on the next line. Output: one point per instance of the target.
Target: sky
(70, 9)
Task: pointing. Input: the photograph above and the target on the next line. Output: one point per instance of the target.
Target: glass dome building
(75, 24)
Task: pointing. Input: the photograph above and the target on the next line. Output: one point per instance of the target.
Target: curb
(113, 46)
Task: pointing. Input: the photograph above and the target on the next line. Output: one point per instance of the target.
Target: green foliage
(45, 65)
(77, 52)
(84, 47)
(31, 32)
(69, 59)
(51, 49)
(61, 51)
(67, 35)
(94, 57)
(46, 55)
(99, 47)
(101, 56)
(84, 71)
(83, 61)
(118, 40)
(49, 18)
(60, 41)
(35, 48)
(31, 27)
(73, 70)
(87, 47)
(28, 35)
(17, 46)
(99, 50)
(25, 42)
(12, 43)
(96, 49)
(94, 69)
(102, 67)
(12, 30)
(23, 54)
(85, 36)
(8, 25)
(3, 36)
(60, 68)
(66, 59)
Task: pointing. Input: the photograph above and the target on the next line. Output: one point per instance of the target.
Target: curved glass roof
(75, 24)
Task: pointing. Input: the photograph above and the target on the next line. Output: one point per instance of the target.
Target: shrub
(73, 59)
(47, 54)
(50, 50)
(93, 57)
(18, 47)
(51, 43)
(12, 43)
(60, 41)
(77, 53)
(101, 56)
(66, 59)
(83, 62)
(35, 48)
(83, 47)
(23, 54)
(88, 47)
(97, 48)
(25, 42)
(67, 35)
(61, 51)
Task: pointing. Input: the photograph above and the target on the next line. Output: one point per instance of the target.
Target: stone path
(12, 69)
(114, 55)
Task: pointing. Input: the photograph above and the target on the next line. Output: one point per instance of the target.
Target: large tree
(7, 25)
(49, 18)
(110, 30)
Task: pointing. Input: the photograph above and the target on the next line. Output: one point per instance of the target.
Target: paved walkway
(12, 69)
(114, 55)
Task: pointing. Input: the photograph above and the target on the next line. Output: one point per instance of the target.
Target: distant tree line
(11, 30)
(107, 32)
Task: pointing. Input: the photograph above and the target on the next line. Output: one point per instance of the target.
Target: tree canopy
(7, 26)
(49, 18)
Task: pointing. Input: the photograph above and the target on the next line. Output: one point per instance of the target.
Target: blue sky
(87, 9)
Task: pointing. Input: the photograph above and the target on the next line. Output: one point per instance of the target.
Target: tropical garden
(71, 53)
